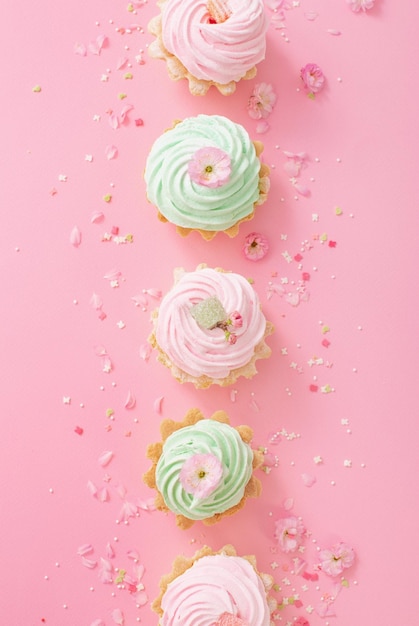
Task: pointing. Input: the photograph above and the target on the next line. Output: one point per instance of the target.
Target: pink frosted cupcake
(210, 42)
(210, 328)
(215, 589)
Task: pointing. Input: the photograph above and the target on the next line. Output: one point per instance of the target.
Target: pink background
(359, 136)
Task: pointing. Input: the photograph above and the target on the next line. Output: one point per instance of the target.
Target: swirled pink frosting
(215, 585)
(221, 52)
(200, 351)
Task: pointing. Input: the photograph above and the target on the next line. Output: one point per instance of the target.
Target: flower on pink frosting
(289, 531)
(228, 619)
(255, 246)
(339, 557)
(210, 167)
(236, 319)
(261, 102)
(201, 474)
(313, 78)
(360, 5)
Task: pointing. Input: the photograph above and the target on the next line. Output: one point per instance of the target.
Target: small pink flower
(228, 619)
(289, 531)
(255, 246)
(313, 78)
(236, 319)
(339, 557)
(360, 5)
(231, 338)
(261, 102)
(201, 474)
(210, 167)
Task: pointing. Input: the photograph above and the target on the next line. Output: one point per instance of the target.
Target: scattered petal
(308, 479)
(288, 504)
(75, 237)
(86, 548)
(158, 402)
(130, 402)
(97, 217)
(145, 351)
(89, 563)
(105, 571)
(262, 127)
(92, 488)
(111, 152)
(80, 49)
(118, 617)
(105, 458)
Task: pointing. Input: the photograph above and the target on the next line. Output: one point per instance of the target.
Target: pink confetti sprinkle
(78, 430)
(334, 32)
(306, 276)
(75, 237)
(332, 244)
(139, 122)
(298, 257)
(314, 387)
(105, 458)
(326, 343)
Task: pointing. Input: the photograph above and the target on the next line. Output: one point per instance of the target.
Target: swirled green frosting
(205, 437)
(187, 204)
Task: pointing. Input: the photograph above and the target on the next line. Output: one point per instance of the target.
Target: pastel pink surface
(350, 400)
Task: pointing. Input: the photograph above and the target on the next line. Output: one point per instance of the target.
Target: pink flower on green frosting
(201, 474)
(313, 78)
(338, 558)
(228, 619)
(210, 167)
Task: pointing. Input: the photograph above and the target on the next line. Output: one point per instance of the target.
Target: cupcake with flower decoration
(210, 328)
(205, 174)
(210, 42)
(215, 589)
(203, 469)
